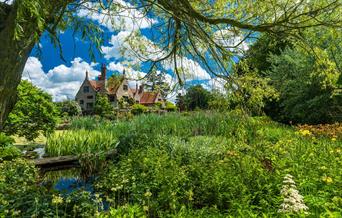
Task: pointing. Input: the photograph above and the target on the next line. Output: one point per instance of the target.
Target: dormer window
(85, 89)
(125, 87)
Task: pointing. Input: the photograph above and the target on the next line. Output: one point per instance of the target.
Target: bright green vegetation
(201, 164)
(80, 141)
(34, 113)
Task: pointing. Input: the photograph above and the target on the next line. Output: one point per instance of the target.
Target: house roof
(148, 97)
(96, 84)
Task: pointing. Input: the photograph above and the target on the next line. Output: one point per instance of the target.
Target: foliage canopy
(33, 114)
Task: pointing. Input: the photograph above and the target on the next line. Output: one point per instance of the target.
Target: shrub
(33, 113)
(69, 108)
(103, 107)
(9, 152)
(138, 109)
(170, 106)
(5, 140)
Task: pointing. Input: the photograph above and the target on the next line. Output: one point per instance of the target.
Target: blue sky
(62, 79)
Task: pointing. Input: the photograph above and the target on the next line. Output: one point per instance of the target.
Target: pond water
(68, 181)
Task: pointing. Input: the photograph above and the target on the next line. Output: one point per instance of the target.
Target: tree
(250, 93)
(256, 58)
(190, 28)
(196, 98)
(218, 101)
(33, 113)
(102, 106)
(69, 108)
(180, 102)
(308, 86)
(156, 82)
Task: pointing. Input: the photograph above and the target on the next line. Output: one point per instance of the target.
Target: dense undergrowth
(201, 164)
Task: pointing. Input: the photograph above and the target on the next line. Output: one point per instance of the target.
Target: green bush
(138, 109)
(103, 107)
(5, 140)
(170, 107)
(9, 153)
(34, 113)
(69, 108)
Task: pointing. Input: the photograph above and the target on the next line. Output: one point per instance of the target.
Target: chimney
(124, 73)
(136, 87)
(103, 72)
(141, 89)
(87, 75)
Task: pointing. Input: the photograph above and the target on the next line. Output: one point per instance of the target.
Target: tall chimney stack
(103, 72)
(87, 75)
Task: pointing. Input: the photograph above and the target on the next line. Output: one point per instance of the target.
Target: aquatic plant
(80, 141)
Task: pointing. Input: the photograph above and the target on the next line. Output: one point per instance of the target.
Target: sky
(62, 78)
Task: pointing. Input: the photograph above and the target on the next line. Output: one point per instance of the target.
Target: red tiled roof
(148, 98)
(96, 84)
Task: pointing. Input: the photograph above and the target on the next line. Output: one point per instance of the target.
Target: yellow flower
(57, 199)
(327, 179)
(338, 150)
(190, 194)
(148, 194)
(333, 139)
(323, 167)
(305, 132)
(145, 208)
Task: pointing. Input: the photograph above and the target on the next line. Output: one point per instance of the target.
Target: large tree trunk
(13, 56)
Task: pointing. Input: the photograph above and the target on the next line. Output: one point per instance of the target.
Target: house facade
(86, 95)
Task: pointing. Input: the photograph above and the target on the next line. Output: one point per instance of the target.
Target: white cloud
(233, 41)
(144, 49)
(216, 84)
(9, 2)
(130, 72)
(75, 72)
(191, 69)
(61, 82)
(122, 16)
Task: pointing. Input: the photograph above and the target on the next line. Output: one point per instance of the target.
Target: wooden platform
(63, 162)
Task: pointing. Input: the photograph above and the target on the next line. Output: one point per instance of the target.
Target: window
(111, 98)
(125, 87)
(85, 89)
(90, 97)
(81, 102)
(89, 105)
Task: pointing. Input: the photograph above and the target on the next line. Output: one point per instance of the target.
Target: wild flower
(323, 168)
(305, 132)
(327, 179)
(57, 199)
(148, 194)
(293, 201)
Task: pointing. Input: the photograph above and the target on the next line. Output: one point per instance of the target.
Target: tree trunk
(13, 56)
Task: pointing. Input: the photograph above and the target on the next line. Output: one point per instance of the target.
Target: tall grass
(76, 142)
(90, 134)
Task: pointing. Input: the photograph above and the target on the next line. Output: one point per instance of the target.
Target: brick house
(86, 95)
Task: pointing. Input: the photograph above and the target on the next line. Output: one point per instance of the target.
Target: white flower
(293, 201)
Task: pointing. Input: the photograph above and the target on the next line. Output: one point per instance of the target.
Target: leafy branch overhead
(185, 28)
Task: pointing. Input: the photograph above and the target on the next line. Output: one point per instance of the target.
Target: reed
(76, 142)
